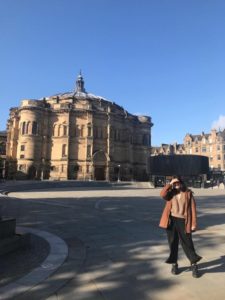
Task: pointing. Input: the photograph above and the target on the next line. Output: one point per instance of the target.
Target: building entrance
(99, 163)
(99, 173)
(32, 172)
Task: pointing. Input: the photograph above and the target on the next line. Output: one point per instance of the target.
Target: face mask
(176, 186)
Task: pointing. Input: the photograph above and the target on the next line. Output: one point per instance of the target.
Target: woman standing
(179, 220)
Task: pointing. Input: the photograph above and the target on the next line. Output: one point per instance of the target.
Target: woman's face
(176, 185)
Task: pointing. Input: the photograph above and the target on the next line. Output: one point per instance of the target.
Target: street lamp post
(118, 179)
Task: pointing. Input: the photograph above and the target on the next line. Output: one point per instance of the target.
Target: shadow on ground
(122, 244)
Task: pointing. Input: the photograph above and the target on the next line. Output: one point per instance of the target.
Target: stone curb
(57, 256)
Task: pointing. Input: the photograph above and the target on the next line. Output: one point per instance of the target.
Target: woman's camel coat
(190, 209)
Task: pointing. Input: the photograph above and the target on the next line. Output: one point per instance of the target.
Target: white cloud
(219, 124)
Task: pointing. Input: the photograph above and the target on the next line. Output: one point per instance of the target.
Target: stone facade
(77, 135)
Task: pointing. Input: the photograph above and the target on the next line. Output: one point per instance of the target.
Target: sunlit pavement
(116, 249)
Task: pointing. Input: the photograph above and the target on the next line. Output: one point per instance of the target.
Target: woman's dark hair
(183, 186)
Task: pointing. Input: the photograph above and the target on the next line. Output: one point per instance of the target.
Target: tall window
(55, 130)
(203, 149)
(89, 131)
(34, 128)
(27, 128)
(117, 131)
(64, 154)
(145, 140)
(115, 135)
(95, 132)
(88, 150)
(64, 130)
(131, 139)
(77, 131)
(22, 148)
(112, 133)
(23, 128)
(82, 130)
(100, 133)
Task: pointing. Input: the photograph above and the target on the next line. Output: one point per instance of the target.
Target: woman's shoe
(195, 272)
(174, 269)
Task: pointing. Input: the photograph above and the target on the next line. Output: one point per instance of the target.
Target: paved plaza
(116, 250)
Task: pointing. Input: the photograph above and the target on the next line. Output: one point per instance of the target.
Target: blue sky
(163, 58)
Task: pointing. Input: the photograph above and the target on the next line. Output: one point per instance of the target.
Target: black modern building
(194, 169)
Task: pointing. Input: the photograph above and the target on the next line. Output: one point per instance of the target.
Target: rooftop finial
(80, 84)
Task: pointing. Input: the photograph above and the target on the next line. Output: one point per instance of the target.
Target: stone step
(7, 227)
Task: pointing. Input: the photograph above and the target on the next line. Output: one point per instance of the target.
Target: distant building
(210, 144)
(168, 149)
(77, 135)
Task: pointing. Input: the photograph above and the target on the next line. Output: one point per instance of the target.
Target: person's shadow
(213, 266)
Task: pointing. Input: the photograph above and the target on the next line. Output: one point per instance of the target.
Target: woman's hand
(173, 181)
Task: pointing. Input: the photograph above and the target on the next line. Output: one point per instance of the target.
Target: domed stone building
(77, 135)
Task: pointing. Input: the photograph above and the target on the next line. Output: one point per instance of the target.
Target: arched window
(34, 128)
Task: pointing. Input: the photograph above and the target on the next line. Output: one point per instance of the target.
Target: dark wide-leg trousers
(175, 233)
